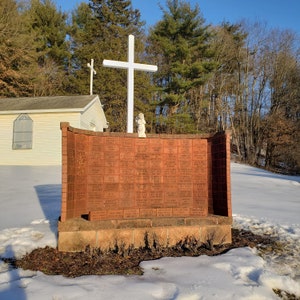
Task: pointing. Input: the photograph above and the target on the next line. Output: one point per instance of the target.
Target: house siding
(45, 150)
(93, 118)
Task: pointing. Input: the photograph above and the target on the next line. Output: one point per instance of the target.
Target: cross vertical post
(92, 73)
(130, 65)
(130, 84)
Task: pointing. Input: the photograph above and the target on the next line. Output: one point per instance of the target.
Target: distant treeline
(244, 77)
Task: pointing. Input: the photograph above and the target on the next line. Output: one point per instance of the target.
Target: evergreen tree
(17, 57)
(179, 44)
(48, 25)
(100, 31)
(49, 29)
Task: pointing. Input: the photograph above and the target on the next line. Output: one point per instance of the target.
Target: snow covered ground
(262, 202)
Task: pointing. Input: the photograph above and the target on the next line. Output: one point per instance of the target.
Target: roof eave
(91, 103)
(42, 111)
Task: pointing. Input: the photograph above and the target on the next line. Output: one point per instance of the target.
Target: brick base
(76, 234)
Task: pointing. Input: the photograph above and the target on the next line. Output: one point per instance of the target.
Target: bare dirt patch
(126, 261)
(121, 260)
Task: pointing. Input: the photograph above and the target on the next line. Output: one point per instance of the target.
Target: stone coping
(80, 224)
(149, 135)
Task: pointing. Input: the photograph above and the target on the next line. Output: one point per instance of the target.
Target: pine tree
(179, 44)
(100, 31)
(48, 27)
(17, 57)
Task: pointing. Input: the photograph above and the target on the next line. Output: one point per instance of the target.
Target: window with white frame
(22, 135)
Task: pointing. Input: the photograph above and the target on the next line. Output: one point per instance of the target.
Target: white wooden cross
(93, 72)
(130, 66)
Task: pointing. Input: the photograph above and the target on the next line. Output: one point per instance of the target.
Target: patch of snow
(263, 202)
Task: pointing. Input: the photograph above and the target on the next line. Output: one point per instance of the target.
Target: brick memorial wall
(158, 181)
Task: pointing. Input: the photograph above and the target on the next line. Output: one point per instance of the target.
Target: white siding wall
(46, 143)
(93, 118)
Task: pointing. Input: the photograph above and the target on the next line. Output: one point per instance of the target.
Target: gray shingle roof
(45, 103)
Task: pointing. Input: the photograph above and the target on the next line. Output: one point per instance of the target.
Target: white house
(30, 127)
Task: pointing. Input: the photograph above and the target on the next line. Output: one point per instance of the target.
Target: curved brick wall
(116, 176)
(121, 176)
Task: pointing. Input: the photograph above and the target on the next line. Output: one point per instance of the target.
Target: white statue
(140, 121)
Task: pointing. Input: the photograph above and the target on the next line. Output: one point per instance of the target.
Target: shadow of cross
(130, 65)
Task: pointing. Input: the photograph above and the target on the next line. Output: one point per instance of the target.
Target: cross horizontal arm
(143, 67)
(130, 65)
(115, 64)
(126, 65)
(92, 69)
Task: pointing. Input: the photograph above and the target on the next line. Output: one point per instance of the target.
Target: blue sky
(283, 14)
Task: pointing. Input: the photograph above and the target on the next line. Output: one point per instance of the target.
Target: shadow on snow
(50, 200)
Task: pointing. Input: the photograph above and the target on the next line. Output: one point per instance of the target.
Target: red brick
(115, 214)
(164, 212)
(180, 212)
(148, 212)
(131, 213)
(198, 212)
(98, 215)
(120, 171)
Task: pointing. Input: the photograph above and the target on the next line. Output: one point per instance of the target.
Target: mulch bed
(126, 261)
